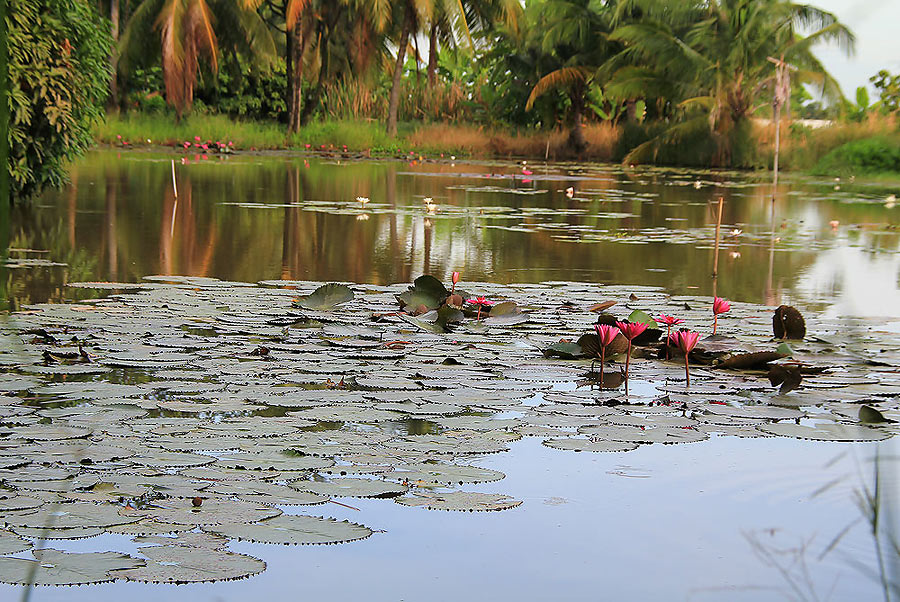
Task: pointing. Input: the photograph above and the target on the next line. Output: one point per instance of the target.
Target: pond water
(257, 217)
(731, 517)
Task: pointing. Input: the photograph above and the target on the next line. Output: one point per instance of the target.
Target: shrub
(58, 78)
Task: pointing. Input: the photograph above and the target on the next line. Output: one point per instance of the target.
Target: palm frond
(559, 78)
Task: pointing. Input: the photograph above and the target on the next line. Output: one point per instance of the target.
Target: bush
(879, 154)
(58, 78)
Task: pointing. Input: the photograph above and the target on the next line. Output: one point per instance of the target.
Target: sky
(876, 24)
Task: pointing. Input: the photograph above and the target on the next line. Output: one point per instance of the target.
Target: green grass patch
(879, 154)
(138, 128)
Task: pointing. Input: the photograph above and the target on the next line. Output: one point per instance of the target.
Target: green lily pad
(426, 291)
(326, 297)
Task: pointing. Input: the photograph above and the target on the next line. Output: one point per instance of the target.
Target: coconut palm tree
(709, 59)
(576, 34)
(188, 31)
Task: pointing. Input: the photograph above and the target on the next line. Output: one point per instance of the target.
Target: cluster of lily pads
(188, 412)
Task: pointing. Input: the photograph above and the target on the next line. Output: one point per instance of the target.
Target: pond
(730, 512)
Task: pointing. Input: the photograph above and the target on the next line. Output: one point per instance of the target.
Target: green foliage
(242, 90)
(879, 154)
(58, 76)
(858, 111)
(888, 89)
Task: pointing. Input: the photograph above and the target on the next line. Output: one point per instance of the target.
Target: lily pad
(54, 567)
(351, 487)
(460, 501)
(326, 297)
(295, 530)
(181, 564)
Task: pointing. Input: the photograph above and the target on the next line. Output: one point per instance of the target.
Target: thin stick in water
(174, 185)
(718, 227)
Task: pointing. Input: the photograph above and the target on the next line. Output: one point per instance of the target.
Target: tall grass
(482, 142)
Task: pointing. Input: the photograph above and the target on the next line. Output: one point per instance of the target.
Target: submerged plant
(685, 340)
(607, 335)
(669, 321)
(720, 306)
(630, 330)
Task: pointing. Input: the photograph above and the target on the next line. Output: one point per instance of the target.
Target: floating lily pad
(578, 445)
(181, 564)
(295, 530)
(827, 431)
(461, 501)
(326, 297)
(53, 567)
(211, 512)
(350, 487)
(10, 543)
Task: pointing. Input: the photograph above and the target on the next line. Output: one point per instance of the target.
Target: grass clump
(880, 154)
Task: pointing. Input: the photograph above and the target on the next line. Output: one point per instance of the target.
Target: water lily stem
(602, 361)
(687, 370)
(668, 334)
(715, 322)
(627, 362)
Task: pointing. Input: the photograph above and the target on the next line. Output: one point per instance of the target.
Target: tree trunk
(631, 111)
(113, 100)
(394, 103)
(294, 65)
(432, 57)
(576, 136)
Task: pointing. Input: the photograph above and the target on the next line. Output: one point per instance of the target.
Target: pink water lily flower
(480, 302)
(685, 340)
(196, 138)
(720, 306)
(669, 321)
(455, 279)
(607, 334)
(630, 330)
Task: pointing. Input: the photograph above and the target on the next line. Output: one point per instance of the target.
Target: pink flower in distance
(606, 333)
(720, 306)
(669, 320)
(479, 301)
(196, 138)
(455, 277)
(631, 329)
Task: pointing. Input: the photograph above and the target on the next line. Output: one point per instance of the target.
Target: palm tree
(576, 34)
(709, 58)
(409, 14)
(187, 31)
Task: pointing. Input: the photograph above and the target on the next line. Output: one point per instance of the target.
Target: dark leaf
(788, 323)
(788, 377)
